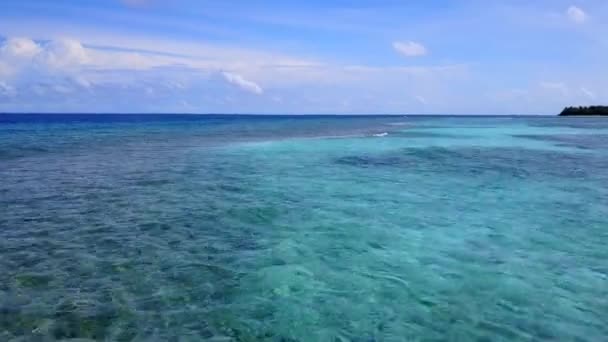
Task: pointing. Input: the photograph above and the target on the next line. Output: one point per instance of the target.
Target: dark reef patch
(421, 134)
(470, 161)
(582, 141)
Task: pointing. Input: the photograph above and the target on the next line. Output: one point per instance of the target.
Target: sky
(303, 57)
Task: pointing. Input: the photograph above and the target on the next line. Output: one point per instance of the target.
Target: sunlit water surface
(194, 228)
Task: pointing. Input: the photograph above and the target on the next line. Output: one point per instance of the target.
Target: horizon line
(262, 114)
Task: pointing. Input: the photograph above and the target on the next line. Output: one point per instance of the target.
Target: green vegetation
(585, 111)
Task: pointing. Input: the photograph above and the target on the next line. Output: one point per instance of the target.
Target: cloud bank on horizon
(187, 56)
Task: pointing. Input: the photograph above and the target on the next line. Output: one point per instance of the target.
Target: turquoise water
(194, 228)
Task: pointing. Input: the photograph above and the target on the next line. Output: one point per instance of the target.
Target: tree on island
(585, 111)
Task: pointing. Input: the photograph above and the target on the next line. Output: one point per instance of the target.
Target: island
(585, 111)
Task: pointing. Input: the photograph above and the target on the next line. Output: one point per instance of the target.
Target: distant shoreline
(585, 111)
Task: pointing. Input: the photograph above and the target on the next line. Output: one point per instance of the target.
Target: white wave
(381, 134)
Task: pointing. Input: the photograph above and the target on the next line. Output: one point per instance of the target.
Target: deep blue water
(316, 228)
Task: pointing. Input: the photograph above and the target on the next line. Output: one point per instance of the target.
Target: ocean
(303, 228)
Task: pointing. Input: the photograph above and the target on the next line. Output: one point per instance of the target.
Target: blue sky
(298, 57)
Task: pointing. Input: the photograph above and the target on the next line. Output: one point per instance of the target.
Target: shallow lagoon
(303, 229)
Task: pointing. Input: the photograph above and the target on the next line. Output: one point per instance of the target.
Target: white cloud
(15, 53)
(125, 78)
(19, 48)
(6, 90)
(576, 14)
(23, 57)
(410, 49)
(82, 82)
(25, 60)
(23, 53)
(421, 99)
(588, 93)
(72, 56)
(242, 83)
(154, 51)
(64, 53)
